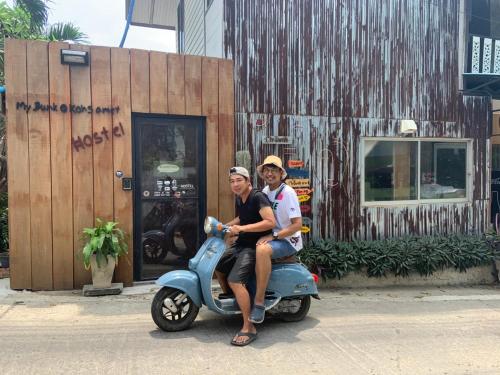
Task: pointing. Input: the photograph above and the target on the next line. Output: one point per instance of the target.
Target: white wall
(194, 27)
(214, 18)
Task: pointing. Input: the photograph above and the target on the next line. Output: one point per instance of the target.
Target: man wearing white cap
(255, 219)
(286, 238)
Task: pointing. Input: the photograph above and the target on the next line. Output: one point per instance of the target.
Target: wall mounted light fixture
(74, 57)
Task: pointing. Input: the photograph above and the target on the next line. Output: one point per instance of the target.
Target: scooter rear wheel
(164, 314)
(305, 304)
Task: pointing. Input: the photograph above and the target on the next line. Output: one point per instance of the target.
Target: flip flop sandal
(257, 314)
(251, 337)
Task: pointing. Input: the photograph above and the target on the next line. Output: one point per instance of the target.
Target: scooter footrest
(228, 303)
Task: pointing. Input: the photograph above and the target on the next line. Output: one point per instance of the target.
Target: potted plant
(105, 243)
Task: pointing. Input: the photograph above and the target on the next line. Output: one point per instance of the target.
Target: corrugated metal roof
(160, 14)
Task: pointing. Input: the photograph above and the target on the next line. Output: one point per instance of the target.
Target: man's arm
(268, 222)
(235, 221)
(292, 228)
(285, 232)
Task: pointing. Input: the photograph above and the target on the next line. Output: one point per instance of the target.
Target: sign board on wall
(277, 140)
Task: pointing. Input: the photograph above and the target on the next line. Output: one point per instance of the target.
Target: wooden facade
(329, 72)
(57, 189)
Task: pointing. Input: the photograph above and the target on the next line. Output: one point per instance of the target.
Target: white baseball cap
(239, 170)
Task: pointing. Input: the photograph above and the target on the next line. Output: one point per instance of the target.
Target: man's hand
(264, 240)
(235, 229)
(230, 240)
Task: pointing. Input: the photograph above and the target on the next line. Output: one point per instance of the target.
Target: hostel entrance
(71, 156)
(170, 193)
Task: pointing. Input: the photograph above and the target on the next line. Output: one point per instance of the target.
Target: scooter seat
(285, 260)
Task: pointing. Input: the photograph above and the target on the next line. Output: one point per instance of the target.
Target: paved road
(360, 331)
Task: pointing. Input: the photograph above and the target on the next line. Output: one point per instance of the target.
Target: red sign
(305, 191)
(295, 163)
(305, 208)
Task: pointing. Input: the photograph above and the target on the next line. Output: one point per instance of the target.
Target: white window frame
(418, 201)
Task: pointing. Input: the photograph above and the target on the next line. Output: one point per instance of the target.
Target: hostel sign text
(80, 143)
(64, 108)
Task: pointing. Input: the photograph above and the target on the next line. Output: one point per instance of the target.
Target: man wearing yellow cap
(286, 238)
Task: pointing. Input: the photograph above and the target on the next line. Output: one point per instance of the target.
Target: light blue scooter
(176, 305)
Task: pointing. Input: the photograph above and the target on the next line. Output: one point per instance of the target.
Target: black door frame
(136, 170)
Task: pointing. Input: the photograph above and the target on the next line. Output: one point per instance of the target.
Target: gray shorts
(238, 263)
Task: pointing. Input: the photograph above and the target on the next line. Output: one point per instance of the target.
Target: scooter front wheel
(173, 310)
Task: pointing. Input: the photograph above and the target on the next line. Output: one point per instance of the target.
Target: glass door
(169, 206)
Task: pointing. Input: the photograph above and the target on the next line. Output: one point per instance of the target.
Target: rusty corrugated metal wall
(328, 72)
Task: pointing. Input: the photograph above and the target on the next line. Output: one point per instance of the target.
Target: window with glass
(414, 170)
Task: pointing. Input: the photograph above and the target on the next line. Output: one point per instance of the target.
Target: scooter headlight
(210, 226)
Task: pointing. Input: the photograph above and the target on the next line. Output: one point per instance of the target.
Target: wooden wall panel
(176, 97)
(193, 85)
(139, 80)
(63, 161)
(102, 127)
(226, 138)
(83, 174)
(122, 155)
(61, 165)
(210, 109)
(18, 171)
(158, 83)
(40, 171)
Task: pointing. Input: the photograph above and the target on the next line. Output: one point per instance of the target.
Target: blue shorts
(281, 249)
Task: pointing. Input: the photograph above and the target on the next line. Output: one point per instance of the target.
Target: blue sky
(104, 22)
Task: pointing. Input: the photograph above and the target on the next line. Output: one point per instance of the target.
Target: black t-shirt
(248, 213)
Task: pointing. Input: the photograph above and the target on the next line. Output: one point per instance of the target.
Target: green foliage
(27, 19)
(14, 23)
(102, 240)
(400, 256)
(66, 31)
(38, 11)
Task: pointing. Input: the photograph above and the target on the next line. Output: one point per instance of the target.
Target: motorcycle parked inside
(176, 305)
(158, 243)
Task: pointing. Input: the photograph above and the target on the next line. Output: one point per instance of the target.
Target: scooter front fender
(184, 280)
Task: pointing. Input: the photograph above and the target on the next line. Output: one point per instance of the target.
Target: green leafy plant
(103, 240)
(399, 256)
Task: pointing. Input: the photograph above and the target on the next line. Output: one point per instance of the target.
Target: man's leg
(243, 268)
(263, 268)
(222, 279)
(243, 298)
(225, 265)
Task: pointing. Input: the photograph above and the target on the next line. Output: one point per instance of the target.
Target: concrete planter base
(102, 276)
(473, 276)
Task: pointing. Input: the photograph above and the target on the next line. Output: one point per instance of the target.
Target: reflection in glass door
(169, 169)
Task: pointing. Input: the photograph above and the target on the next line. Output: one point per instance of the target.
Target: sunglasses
(271, 169)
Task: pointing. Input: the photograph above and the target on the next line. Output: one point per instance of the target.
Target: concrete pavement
(350, 331)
